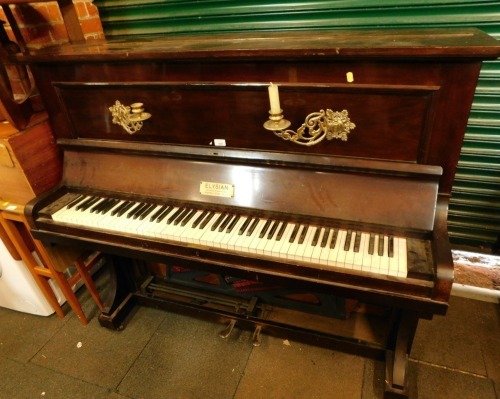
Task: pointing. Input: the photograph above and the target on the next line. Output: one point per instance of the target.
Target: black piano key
(87, 204)
(253, 226)
(218, 221)
(181, 216)
(174, 215)
(147, 206)
(111, 203)
(371, 244)
(245, 225)
(294, 233)
(188, 217)
(124, 208)
(303, 234)
(335, 234)
(281, 231)
(118, 209)
(133, 209)
(138, 210)
(233, 223)
(105, 207)
(225, 222)
(155, 215)
(357, 241)
(326, 234)
(146, 211)
(207, 219)
(380, 245)
(347, 243)
(273, 229)
(391, 247)
(264, 228)
(95, 208)
(198, 220)
(84, 202)
(165, 213)
(75, 201)
(315, 239)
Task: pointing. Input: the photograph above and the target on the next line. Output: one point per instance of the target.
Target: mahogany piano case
(161, 134)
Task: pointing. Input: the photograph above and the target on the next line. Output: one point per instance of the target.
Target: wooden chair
(51, 263)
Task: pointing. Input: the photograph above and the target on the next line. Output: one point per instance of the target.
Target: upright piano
(319, 163)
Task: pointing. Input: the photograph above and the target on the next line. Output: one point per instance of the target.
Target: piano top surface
(396, 43)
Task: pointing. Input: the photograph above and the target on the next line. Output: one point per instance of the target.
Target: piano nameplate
(214, 189)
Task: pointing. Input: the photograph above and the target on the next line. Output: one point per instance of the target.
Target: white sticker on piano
(219, 142)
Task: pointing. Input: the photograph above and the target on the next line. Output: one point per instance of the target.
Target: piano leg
(120, 300)
(398, 352)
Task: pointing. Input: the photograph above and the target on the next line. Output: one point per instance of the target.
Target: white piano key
(367, 256)
(268, 244)
(235, 236)
(325, 250)
(402, 258)
(281, 244)
(294, 246)
(338, 240)
(314, 253)
(271, 242)
(384, 259)
(358, 256)
(302, 248)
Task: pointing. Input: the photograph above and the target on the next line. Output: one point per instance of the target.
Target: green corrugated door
(474, 218)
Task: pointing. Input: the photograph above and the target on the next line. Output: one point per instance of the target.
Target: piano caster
(228, 330)
(256, 338)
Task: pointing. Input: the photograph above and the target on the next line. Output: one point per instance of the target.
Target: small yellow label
(217, 189)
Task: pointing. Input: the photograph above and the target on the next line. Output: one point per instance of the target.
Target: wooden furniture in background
(30, 161)
(18, 106)
(49, 263)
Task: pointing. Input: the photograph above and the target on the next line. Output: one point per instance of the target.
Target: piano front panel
(397, 106)
(182, 114)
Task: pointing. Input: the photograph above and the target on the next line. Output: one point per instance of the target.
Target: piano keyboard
(342, 248)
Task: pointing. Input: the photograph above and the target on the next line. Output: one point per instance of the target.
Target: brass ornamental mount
(130, 118)
(316, 127)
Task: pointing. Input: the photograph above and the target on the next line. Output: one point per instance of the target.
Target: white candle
(274, 99)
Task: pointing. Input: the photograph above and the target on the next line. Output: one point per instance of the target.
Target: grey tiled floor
(163, 355)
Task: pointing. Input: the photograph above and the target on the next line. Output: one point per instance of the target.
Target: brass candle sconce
(130, 118)
(316, 127)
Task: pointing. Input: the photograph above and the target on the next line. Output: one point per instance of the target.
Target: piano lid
(391, 44)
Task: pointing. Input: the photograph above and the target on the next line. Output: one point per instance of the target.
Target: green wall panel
(474, 217)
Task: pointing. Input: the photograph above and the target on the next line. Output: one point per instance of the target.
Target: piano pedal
(256, 338)
(228, 330)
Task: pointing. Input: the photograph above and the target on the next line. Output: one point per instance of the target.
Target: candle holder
(130, 118)
(316, 127)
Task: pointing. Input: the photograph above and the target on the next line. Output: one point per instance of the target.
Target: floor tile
(288, 369)
(28, 381)
(429, 382)
(23, 335)
(452, 340)
(187, 359)
(98, 355)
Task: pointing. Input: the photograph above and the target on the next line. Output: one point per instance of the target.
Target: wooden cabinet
(30, 161)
